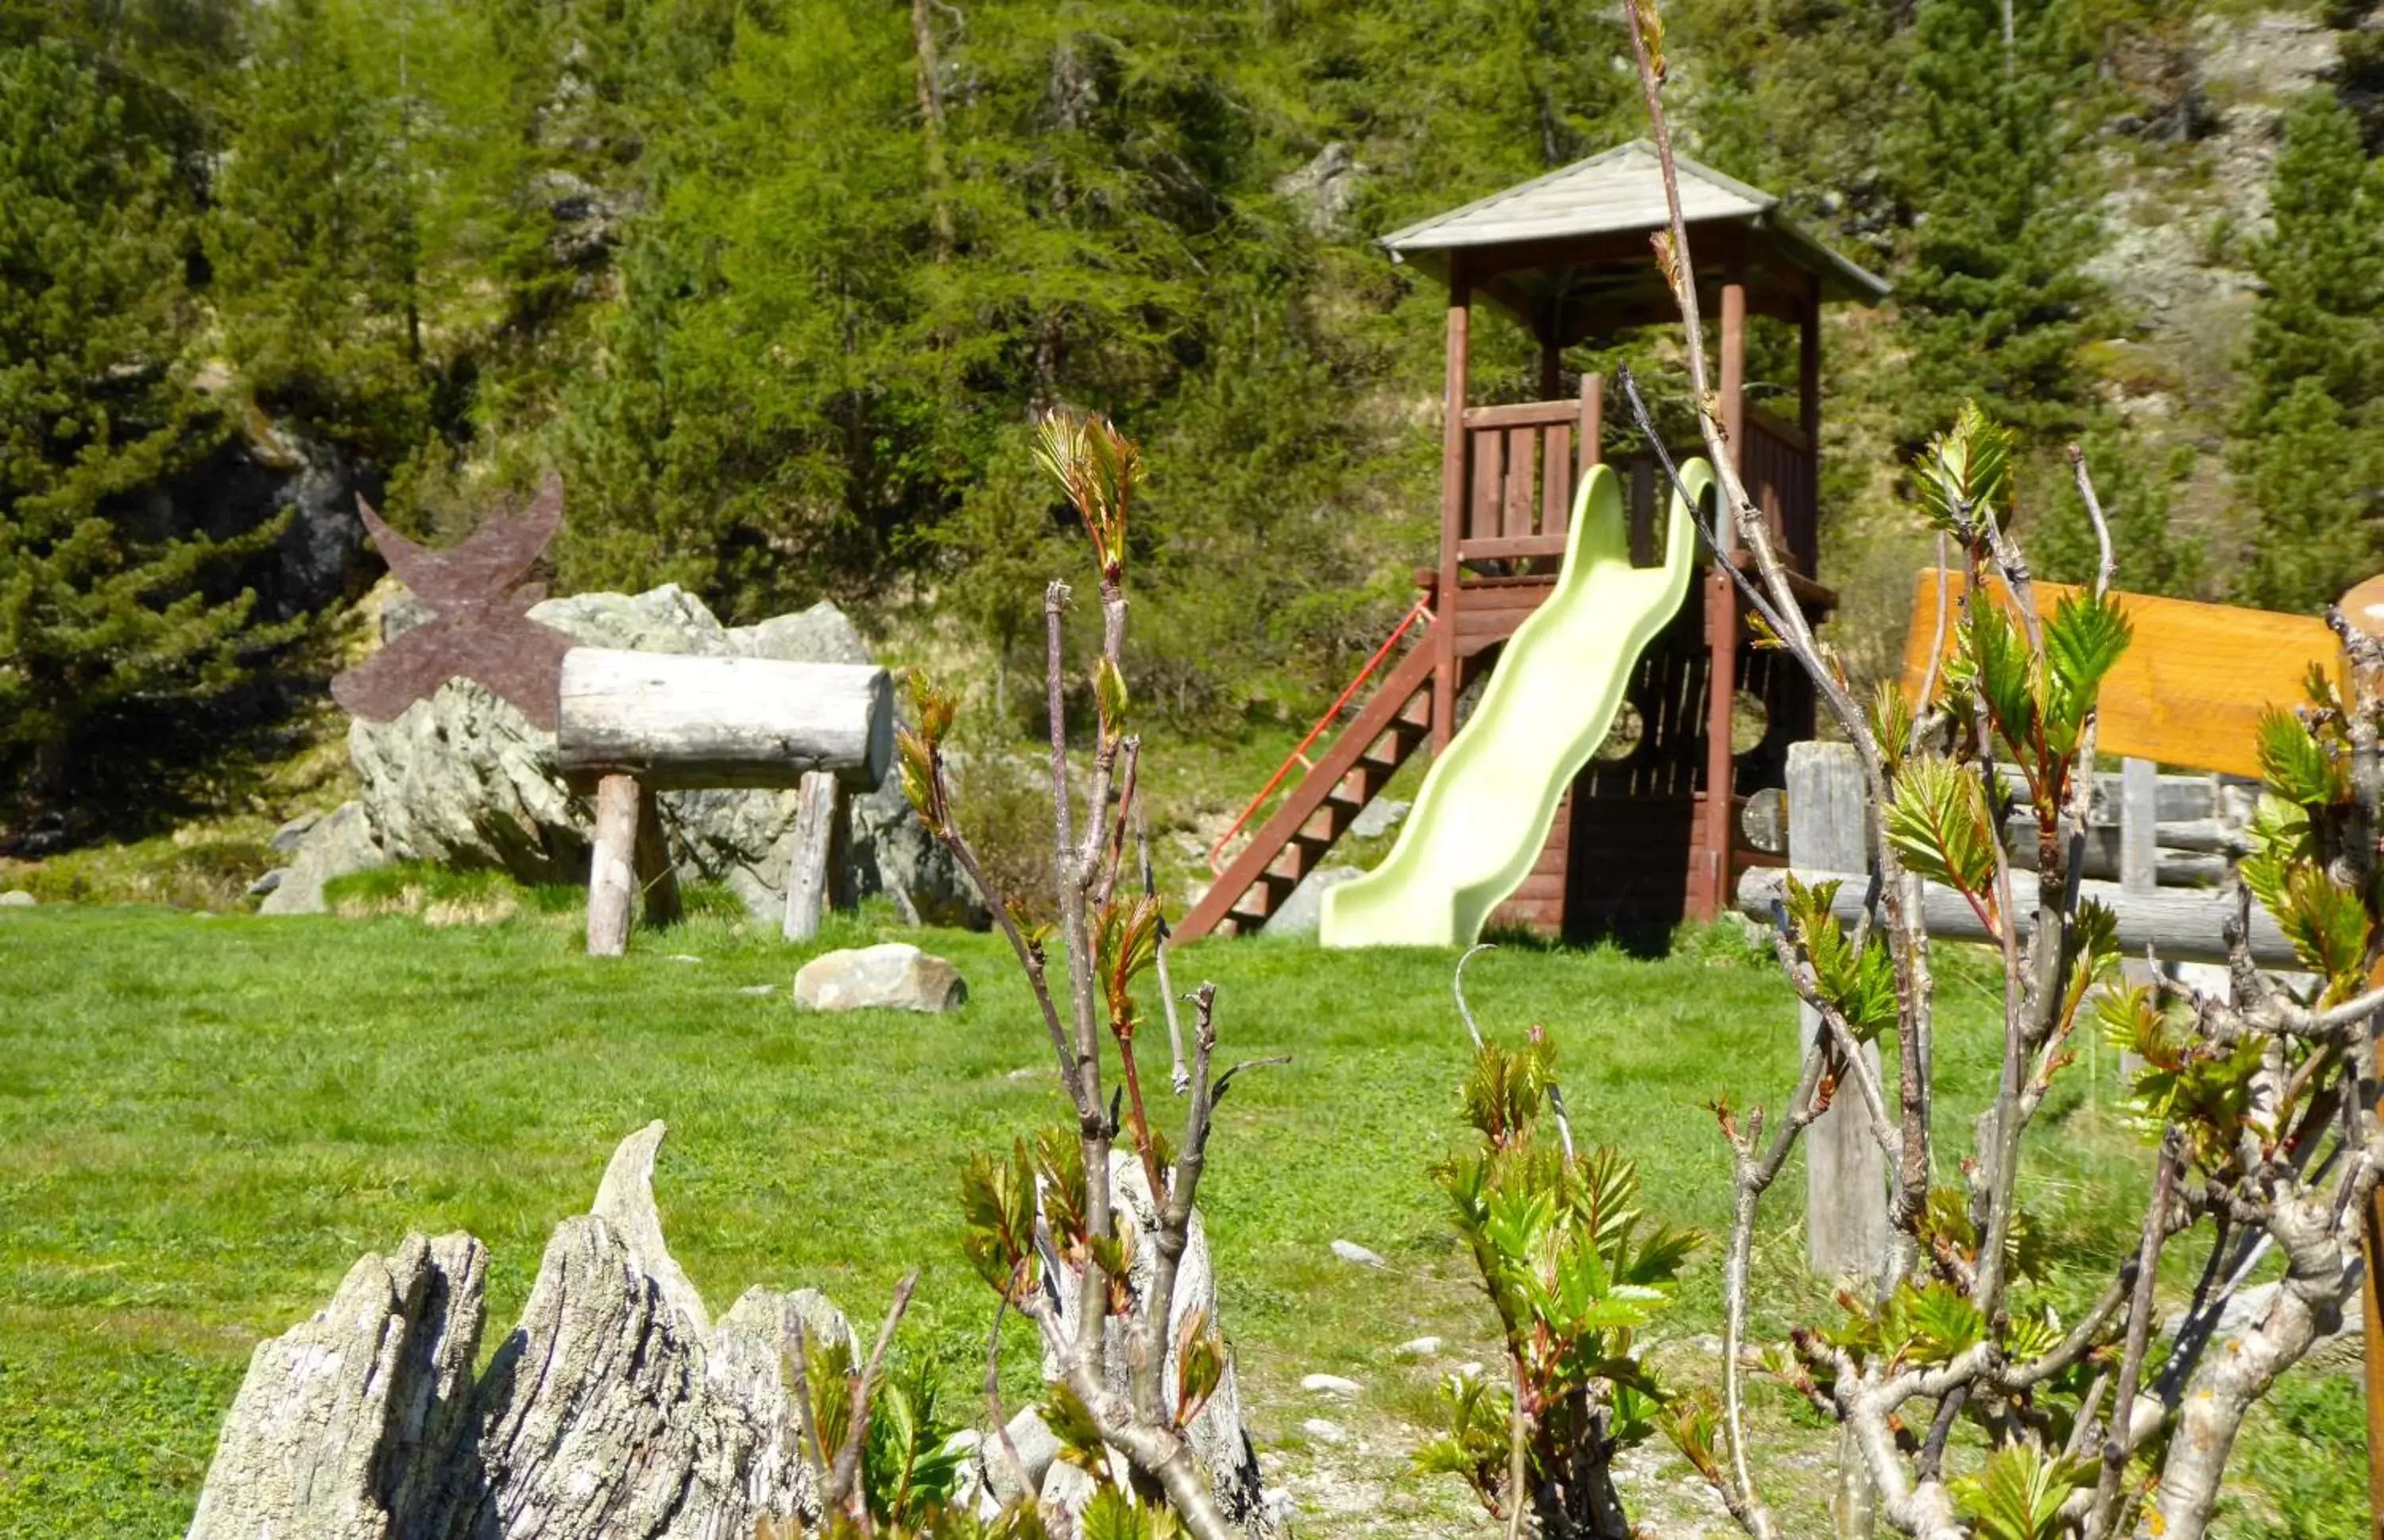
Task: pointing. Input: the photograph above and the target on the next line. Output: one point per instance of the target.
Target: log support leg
(657, 879)
(818, 856)
(613, 865)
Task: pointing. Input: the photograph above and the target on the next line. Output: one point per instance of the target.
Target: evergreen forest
(778, 285)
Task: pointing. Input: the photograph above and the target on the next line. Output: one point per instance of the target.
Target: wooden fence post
(812, 866)
(2138, 863)
(612, 864)
(1845, 1180)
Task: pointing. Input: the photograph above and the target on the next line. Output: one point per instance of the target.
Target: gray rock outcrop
(462, 779)
(1303, 907)
(611, 1409)
(893, 976)
(336, 845)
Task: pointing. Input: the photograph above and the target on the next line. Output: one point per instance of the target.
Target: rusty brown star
(481, 629)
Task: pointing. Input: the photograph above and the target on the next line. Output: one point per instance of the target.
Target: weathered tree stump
(614, 1410)
(617, 1409)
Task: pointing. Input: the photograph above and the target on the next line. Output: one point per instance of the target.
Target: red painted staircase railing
(1328, 798)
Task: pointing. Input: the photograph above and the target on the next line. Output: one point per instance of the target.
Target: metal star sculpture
(480, 630)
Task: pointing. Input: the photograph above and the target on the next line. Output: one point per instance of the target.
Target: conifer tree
(96, 614)
(2310, 458)
(1992, 296)
(312, 243)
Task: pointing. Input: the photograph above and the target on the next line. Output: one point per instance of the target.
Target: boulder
(338, 844)
(1303, 908)
(16, 897)
(894, 976)
(462, 779)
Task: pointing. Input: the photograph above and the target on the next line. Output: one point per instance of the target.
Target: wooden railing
(1776, 464)
(1520, 479)
(1523, 461)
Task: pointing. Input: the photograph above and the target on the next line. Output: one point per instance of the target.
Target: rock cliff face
(462, 779)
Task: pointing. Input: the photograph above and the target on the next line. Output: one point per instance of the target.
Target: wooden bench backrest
(2189, 692)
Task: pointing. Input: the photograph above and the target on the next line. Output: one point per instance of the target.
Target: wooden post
(1593, 420)
(657, 879)
(2139, 859)
(1709, 889)
(1845, 1181)
(2139, 825)
(1452, 510)
(811, 868)
(1807, 554)
(1732, 383)
(611, 865)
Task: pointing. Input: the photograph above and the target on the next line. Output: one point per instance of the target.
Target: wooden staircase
(1320, 809)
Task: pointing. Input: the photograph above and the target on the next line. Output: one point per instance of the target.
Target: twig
(1936, 635)
(1518, 1469)
(1178, 1077)
(805, 1418)
(2115, 1445)
(2106, 569)
(847, 1474)
(1015, 1463)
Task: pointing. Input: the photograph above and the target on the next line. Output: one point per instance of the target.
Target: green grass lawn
(204, 1119)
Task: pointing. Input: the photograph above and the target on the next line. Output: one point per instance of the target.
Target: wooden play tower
(1650, 832)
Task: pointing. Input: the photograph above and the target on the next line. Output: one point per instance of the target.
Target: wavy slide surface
(1485, 807)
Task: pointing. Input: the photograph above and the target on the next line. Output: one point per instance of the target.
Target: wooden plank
(2190, 687)
(1845, 1178)
(1474, 599)
(1556, 481)
(1511, 548)
(676, 720)
(2181, 924)
(1593, 420)
(1527, 413)
(1489, 478)
(1522, 467)
(611, 865)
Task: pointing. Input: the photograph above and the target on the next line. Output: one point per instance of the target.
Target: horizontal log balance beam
(2181, 924)
(681, 721)
(633, 722)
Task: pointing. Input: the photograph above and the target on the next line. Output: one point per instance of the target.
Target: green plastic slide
(1485, 807)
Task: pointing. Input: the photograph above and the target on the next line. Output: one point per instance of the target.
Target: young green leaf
(2019, 1493)
(1937, 819)
(1963, 473)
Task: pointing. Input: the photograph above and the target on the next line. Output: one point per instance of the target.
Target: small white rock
(757, 989)
(1470, 1369)
(1350, 1251)
(1323, 1431)
(1025, 1073)
(1330, 1384)
(682, 957)
(1418, 1348)
(16, 897)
